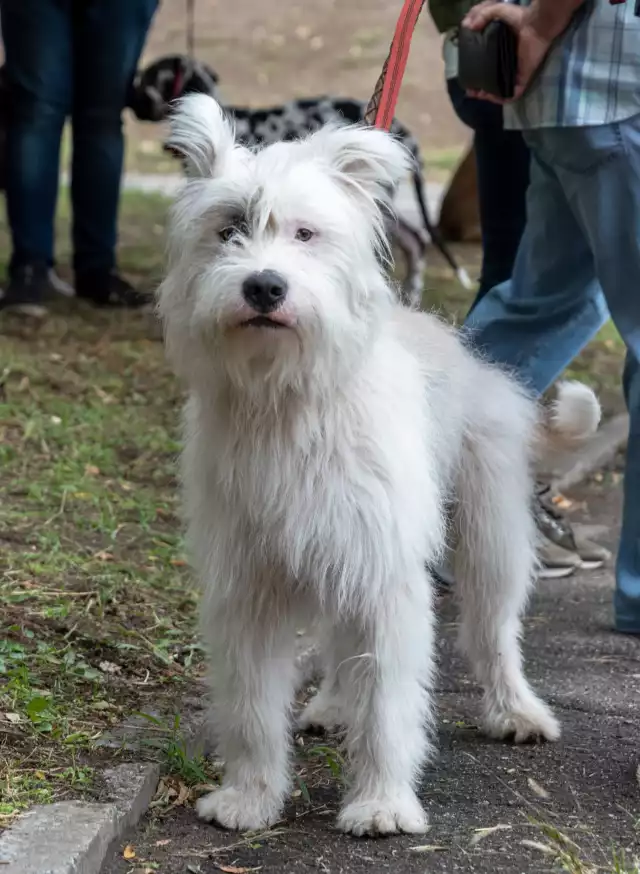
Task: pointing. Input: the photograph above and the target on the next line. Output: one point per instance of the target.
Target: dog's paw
(525, 722)
(234, 809)
(322, 712)
(384, 816)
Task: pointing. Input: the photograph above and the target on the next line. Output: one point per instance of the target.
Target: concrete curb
(74, 837)
(568, 470)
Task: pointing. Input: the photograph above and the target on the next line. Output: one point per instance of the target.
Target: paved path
(585, 786)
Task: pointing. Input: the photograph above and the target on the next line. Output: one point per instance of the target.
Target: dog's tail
(434, 233)
(571, 418)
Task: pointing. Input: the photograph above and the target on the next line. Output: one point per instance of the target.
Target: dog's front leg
(253, 677)
(387, 682)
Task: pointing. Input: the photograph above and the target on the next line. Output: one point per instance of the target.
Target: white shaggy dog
(326, 430)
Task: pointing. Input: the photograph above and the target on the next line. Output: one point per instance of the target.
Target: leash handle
(382, 106)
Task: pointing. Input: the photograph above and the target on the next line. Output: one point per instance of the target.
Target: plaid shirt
(592, 74)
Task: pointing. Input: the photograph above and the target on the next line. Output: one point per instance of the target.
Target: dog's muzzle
(265, 290)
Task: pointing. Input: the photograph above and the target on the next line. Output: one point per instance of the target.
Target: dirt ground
(573, 806)
(272, 51)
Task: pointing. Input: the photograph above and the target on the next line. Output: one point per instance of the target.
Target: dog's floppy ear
(201, 135)
(371, 158)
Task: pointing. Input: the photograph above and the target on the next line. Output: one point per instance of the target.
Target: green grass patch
(98, 607)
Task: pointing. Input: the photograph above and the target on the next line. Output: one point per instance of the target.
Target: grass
(172, 746)
(98, 619)
(570, 858)
(98, 615)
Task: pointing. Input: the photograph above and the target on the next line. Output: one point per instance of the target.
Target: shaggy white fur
(328, 432)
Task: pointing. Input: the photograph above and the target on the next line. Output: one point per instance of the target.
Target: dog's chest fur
(325, 494)
(297, 118)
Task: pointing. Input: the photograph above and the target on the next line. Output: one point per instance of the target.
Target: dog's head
(276, 257)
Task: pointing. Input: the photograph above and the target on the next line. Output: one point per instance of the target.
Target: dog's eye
(236, 230)
(304, 235)
(227, 234)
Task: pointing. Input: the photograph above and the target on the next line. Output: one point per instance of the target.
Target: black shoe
(28, 291)
(105, 289)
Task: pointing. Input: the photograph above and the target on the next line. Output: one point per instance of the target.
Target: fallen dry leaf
(481, 833)
(128, 852)
(428, 848)
(538, 845)
(163, 842)
(13, 718)
(109, 668)
(562, 502)
(201, 788)
(103, 556)
(171, 792)
(183, 795)
(104, 397)
(536, 788)
(231, 869)
(91, 470)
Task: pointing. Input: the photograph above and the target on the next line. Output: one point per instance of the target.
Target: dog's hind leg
(253, 681)
(494, 569)
(327, 709)
(386, 682)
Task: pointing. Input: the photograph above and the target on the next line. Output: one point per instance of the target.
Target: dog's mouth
(263, 322)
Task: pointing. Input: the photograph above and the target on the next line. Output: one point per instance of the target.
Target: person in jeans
(578, 104)
(502, 162)
(68, 58)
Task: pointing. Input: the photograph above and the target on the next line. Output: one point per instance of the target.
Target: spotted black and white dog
(176, 75)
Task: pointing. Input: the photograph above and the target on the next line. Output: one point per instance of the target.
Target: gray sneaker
(556, 529)
(556, 562)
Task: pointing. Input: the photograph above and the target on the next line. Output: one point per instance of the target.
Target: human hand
(535, 33)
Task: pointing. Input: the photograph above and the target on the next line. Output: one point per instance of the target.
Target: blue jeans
(502, 160)
(68, 58)
(579, 259)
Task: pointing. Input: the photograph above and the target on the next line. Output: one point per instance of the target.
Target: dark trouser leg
(503, 178)
(37, 39)
(108, 39)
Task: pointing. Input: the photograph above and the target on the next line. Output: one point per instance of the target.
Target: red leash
(382, 105)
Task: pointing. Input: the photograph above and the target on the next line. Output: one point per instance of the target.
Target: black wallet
(488, 59)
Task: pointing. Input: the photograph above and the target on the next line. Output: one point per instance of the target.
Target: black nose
(264, 291)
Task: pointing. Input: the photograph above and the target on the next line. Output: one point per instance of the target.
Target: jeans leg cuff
(627, 624)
